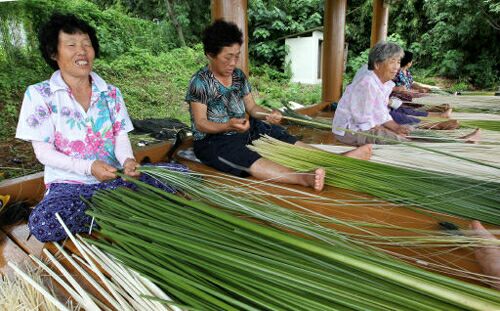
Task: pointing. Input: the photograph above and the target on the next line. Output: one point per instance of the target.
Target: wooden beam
(333, 50)
(380, 20)
(234, 11)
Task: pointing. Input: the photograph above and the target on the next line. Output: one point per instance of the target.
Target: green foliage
(459, 87)
(270, 21)
(192, 15)
(154, 85)
(354, 63)
(117, 32)
(14, 79)
(424, 75)
(271, 86)
(463, 41)
(451, 38)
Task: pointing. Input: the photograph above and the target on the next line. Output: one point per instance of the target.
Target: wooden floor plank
(10, 251)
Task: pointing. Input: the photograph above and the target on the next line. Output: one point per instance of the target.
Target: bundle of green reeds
(396, 155)
(208, 258)
(441, 192)
(492, 125)
(290, 209)
(489, 104)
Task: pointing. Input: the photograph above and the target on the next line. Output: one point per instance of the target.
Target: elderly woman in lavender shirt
(78, 125)
(362, 116)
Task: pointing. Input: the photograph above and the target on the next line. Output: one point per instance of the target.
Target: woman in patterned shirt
(405, 89)
(77, 125)
(219, 98)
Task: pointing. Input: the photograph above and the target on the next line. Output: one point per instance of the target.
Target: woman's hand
(397, 128)
(274, 117)
(130, 168)
(403, 130)
(238, 125)
(103, 171)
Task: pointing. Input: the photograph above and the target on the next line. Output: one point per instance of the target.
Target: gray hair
(382, 51)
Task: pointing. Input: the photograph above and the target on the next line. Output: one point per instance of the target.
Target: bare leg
(362, 153)
(446, 114)
(444, 125)
(473, 137)
(265, 169)
(487, 257)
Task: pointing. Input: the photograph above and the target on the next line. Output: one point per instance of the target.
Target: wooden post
(234, 11)
(333, 50)
(379, 21)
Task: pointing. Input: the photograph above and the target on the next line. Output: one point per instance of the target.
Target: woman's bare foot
(443, 125)
(440, 108)
(362, 153)
(446, 114)
(316, 179)
(488, 257)
(473, 137)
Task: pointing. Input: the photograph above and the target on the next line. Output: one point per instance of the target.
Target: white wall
(303, 55)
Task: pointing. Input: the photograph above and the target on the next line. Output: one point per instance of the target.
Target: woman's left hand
(130, 168)
(274, 117)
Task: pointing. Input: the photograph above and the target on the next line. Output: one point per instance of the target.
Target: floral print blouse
(403, 79)
(50, 113)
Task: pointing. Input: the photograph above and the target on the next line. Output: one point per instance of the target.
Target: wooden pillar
(379, 21)
(333, 50)
(234, 11)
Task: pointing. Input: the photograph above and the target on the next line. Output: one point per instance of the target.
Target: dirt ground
(17, 159)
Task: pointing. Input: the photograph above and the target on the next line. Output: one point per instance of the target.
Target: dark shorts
(229, 153)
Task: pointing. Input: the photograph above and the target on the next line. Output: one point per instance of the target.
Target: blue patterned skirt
(65, 199)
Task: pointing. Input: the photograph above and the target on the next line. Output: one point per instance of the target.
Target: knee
(44, 227)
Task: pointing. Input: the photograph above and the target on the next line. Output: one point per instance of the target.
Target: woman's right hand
(403, 130)
(102, 171)
(239, 125)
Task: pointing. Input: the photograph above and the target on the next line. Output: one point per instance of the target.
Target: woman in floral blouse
(405, 90)
(405, 85)
(78, 125)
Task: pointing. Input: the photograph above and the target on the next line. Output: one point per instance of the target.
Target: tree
(186, 18)
(461, 42)
(173, 18)
(270, 21)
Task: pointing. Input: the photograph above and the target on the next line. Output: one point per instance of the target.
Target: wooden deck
(14, 245)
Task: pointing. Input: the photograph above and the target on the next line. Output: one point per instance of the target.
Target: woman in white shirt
(362, 116)
(78, 125)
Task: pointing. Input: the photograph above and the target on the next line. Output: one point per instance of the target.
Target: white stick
(38, 287)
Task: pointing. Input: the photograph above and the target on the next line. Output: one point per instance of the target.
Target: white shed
(305, 56)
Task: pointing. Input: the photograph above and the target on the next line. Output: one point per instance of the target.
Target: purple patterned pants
(403, 115)
(65, 199)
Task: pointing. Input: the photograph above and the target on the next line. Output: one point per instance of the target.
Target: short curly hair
(48, 35)
(382, 51)
(219, 35)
